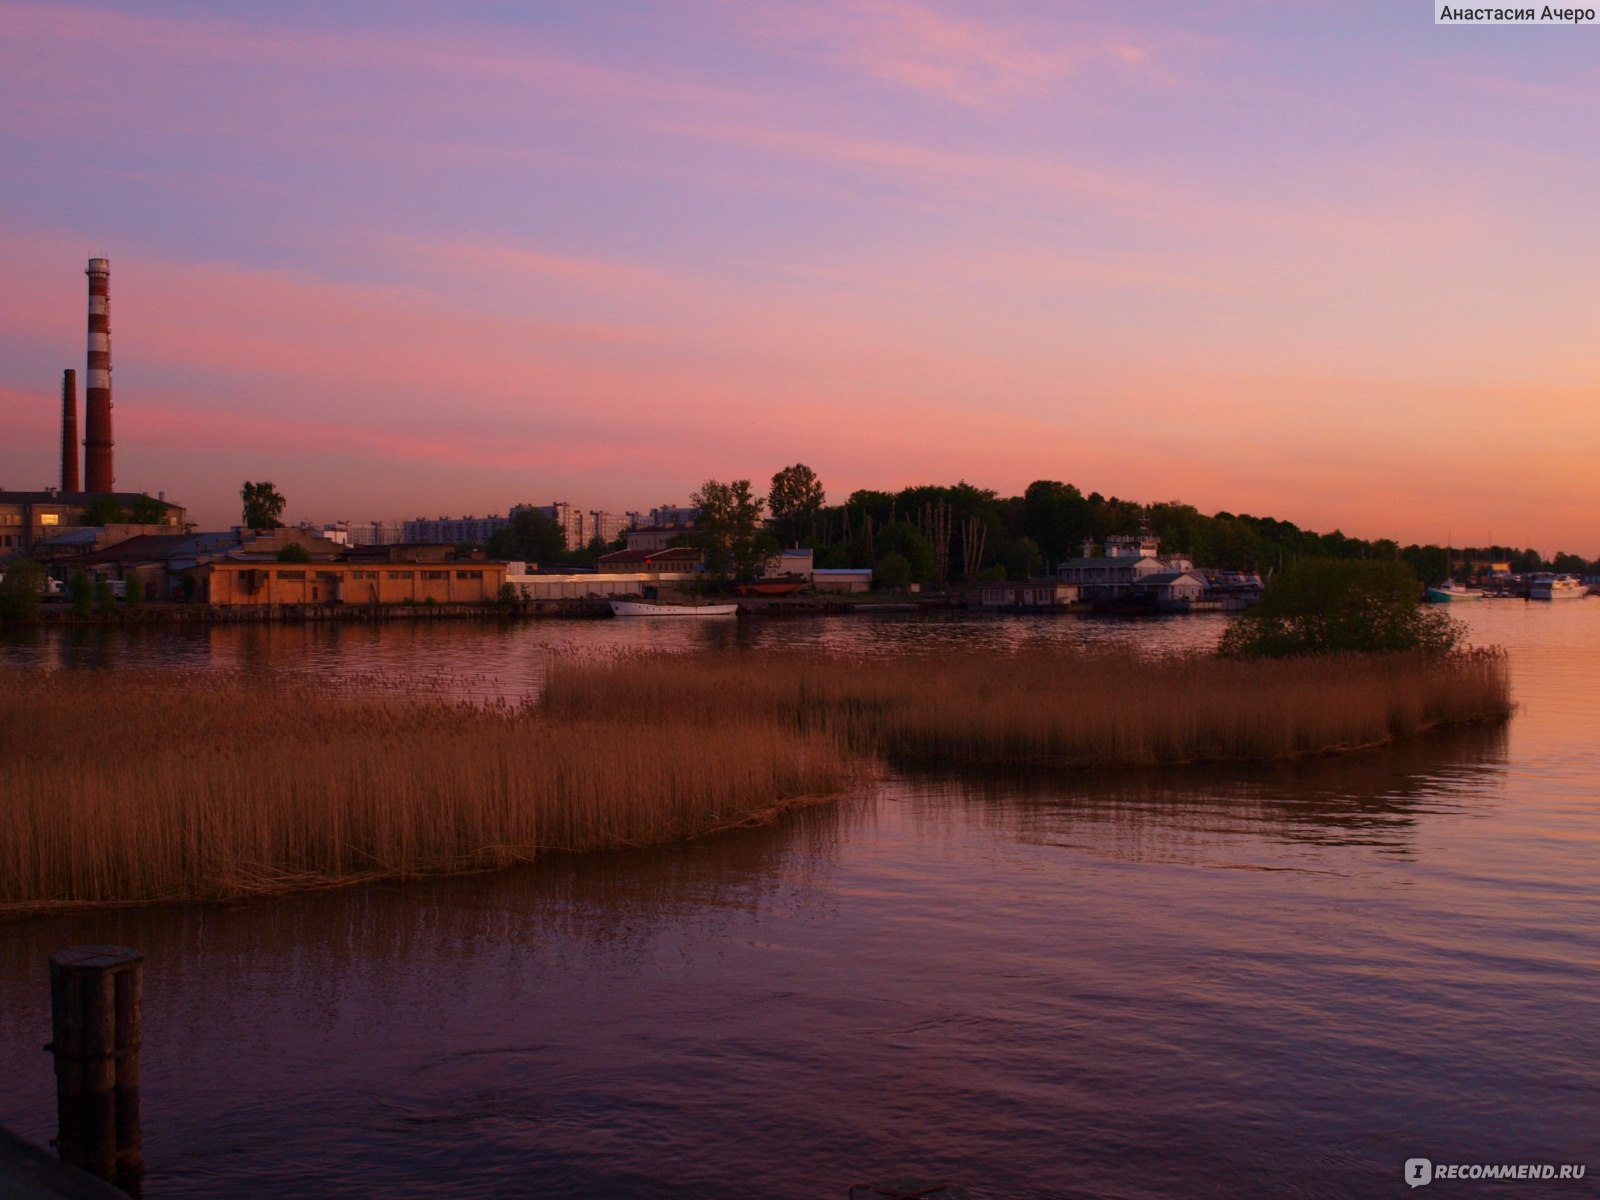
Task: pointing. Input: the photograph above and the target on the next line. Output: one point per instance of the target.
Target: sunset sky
(1331, 263)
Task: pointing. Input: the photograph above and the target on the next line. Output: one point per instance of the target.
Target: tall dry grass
(131, 786)
(143, 786)
(1055, 707)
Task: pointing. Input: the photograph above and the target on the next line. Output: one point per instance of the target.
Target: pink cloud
(963, 59)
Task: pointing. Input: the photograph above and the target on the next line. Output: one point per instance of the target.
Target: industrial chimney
(97, 395)
(69, 431)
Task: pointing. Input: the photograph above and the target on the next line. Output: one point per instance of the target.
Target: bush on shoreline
(1342, 606)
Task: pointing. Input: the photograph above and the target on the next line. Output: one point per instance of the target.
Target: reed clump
(1057, 707)
(132, 786)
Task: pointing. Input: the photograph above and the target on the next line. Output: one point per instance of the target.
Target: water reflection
(1373, 798)
(1131, 983)
(493, 659)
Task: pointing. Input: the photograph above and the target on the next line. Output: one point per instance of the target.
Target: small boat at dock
(1545, 586)
(1450, 592)
(649, 608)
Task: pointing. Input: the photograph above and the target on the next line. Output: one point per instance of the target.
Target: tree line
(960, 533)
(938, 535)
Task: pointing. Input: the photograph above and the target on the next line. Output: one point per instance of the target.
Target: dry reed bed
(1055, 707)
(141, 786)
(134, 786)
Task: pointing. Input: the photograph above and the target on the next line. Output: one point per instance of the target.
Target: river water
(1273, 981)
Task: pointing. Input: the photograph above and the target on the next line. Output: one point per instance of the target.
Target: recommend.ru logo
(1419, 1171)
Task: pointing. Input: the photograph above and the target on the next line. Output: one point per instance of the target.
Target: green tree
(294, 552)
(1057, 517)
(134, 597)
(20, 590)
(147, 510)
(893, 572)
(1341, 606)
(104, 510)
(529, 537)
(81, 588)
(105, 600)
(262, 505)
(835, 557)
(729, 529)
(905, 539)
(795, 500)
(1021, 559)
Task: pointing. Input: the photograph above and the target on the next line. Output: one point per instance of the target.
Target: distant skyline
(1332, 264)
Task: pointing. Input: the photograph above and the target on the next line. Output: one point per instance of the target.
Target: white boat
(648, 608)
(1545, 586)
(1450, 592)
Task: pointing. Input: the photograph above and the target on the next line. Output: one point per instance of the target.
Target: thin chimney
(98, 475)
(69, 431)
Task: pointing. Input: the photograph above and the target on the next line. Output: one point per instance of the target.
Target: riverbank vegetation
(1342, 606)
(138, 786)
(959, 534)
(1051, 706)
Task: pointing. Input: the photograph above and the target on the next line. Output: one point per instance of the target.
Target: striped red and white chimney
(97, 393)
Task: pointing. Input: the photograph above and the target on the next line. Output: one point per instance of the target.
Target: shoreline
(56, 615)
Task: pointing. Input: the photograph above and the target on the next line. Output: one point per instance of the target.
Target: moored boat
(1450, 592)
(648, 608)
(1545, 586)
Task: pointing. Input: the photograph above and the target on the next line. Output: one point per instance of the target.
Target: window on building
(469, 574)
(291, 574)
(436, 574)
(400, 574)
(49, 518)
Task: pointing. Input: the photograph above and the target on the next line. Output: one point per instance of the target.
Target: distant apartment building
(606, 526)
(451, 531)
(667, 514)
(572, 520)
(659, 528)
(373, 533)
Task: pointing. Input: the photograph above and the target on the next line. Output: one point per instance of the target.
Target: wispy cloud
(963, 59)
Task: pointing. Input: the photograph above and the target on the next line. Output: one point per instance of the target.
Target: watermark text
(1422, 1171)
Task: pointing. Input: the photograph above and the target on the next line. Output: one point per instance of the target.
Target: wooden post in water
(94, 1026)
